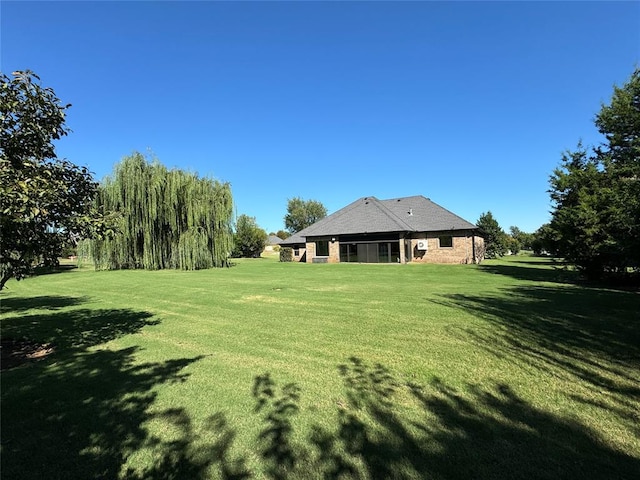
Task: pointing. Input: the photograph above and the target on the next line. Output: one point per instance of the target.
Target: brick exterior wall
(300, 257)
(311, 251)
(461, 251)
(334, 251)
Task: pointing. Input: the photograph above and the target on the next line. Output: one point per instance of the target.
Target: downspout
(466, 245)
(473, 246)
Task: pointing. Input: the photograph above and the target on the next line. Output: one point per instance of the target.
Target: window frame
(450, 237)
(318, 242)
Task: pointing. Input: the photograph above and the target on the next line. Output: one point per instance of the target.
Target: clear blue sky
(469, 104)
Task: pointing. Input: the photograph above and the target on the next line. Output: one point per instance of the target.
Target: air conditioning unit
(422, 244)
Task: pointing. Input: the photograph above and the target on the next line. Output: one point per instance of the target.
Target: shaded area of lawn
(42, 302)
(535, 270)
(583, 336)
(85, 411)
(543, 269)
(563, 319)
(87, 415)
(475, 433)
(488, 433)
(81, 413)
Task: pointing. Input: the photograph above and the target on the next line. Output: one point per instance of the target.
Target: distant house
(272, 241)
(400, 230)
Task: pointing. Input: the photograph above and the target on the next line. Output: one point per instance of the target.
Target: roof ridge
(395, 218)
(448, 211)
(336, 214)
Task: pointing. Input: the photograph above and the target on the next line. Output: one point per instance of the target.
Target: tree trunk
(4, 280)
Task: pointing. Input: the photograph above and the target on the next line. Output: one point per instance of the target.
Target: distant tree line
(250, 239)
(147, 216)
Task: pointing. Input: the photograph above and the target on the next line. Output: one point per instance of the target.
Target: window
(395, 252)
(322, 248)
(348, 252)
(446, 241)
(296, 251)
(383, 252)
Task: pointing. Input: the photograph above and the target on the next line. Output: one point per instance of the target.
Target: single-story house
(400, 230)
(272, 241)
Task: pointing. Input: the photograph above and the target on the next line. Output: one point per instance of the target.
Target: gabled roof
(370, 215)
(274, 240)
(426, 216)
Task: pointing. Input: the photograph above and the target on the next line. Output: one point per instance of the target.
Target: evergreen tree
(495, 239)
(596, 194)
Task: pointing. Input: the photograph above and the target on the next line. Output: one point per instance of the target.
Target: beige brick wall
(311, 251)
(462, 250)
(300, 256)
(334, 251)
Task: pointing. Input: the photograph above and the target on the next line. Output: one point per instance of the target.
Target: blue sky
(470, 104)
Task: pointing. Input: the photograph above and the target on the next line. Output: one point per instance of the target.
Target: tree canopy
(45, 202)
(596, 192)
(495, 239)
(302, 213)
(169, 218)
(249, 239)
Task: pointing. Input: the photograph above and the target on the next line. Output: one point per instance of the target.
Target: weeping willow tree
(167, 218)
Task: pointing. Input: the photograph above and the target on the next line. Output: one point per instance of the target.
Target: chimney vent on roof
(410, 212)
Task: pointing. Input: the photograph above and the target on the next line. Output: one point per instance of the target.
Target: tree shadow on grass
(574, 333)
(60, 268)
(389, 428)
(558, 271)
(84, 411)
(533, 271)
(81, 328)
(42, 302)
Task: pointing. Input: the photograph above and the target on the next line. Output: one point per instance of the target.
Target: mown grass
(509, 369)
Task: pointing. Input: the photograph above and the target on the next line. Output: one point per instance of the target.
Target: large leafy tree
(495, 239)
(302, 213)
(281, 234)
(522, 238)
(250, 239)
(596, 194)
(45, 202)
(545, 240)
(169, 218)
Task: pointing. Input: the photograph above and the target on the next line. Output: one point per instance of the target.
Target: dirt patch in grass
(15, 352)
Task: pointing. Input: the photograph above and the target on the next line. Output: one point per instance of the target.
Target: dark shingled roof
(274, 240)
(370, 215)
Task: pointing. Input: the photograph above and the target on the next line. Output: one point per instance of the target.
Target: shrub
(286, 254)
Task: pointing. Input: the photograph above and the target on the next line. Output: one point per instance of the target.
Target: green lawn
(267, 370)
